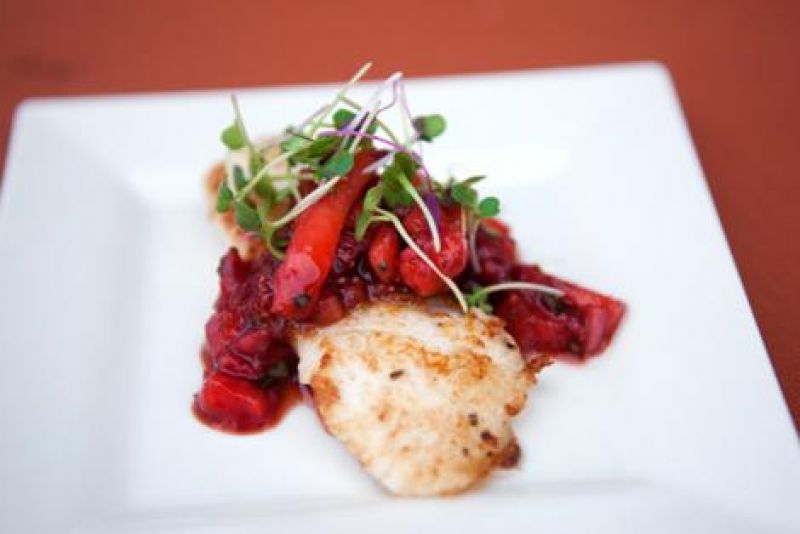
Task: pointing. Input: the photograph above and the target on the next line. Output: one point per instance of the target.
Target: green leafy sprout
(479, 297)
(476, 210)
(264, 193)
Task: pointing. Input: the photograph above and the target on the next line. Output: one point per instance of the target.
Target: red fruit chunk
(353, 293)
(232, 365)
(384, 253)
(222, 329)
(206, 360)
(260, 288)
(235, 349)
(232, 272)
(252, 343)
(536, 330)
(417, 275)
(347, 251)
(247, 356)
(582, 322)
(497, 252)
(311, 251)
(451, 259)
(234, 404)
(329, 310)
(280, 351)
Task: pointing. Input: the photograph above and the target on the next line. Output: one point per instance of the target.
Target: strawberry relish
(250, 368)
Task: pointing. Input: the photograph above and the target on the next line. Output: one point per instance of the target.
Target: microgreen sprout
(241, 193)
(238, 123)
(476, 209)
(472, 241)
(338, 165)
(347, 132)
(306, 202)
(317, 122)
(362, 129)
(388, 216)
(246, 216)
(342, 118)
(235, 136)
(479, 297)
(372, 199)
(397, 190)
(378, 123)
(322, 148)
(224, 197)
(232, 137)
(370, 110)
(429, 126)
(405, 167)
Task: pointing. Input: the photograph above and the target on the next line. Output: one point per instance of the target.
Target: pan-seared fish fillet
(422, 397)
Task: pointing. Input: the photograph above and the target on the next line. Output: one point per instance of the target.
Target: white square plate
(107, 263)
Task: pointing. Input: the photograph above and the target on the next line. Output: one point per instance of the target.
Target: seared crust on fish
(423, 397)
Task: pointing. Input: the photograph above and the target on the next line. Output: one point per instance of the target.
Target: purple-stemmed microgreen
(363, 123)
(368, 112)
(398, 190)
(310, 151)
(322, 148)
(396, 148)
(402, 170)
(378, 123)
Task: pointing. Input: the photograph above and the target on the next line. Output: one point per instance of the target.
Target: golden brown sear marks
(423, 398)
